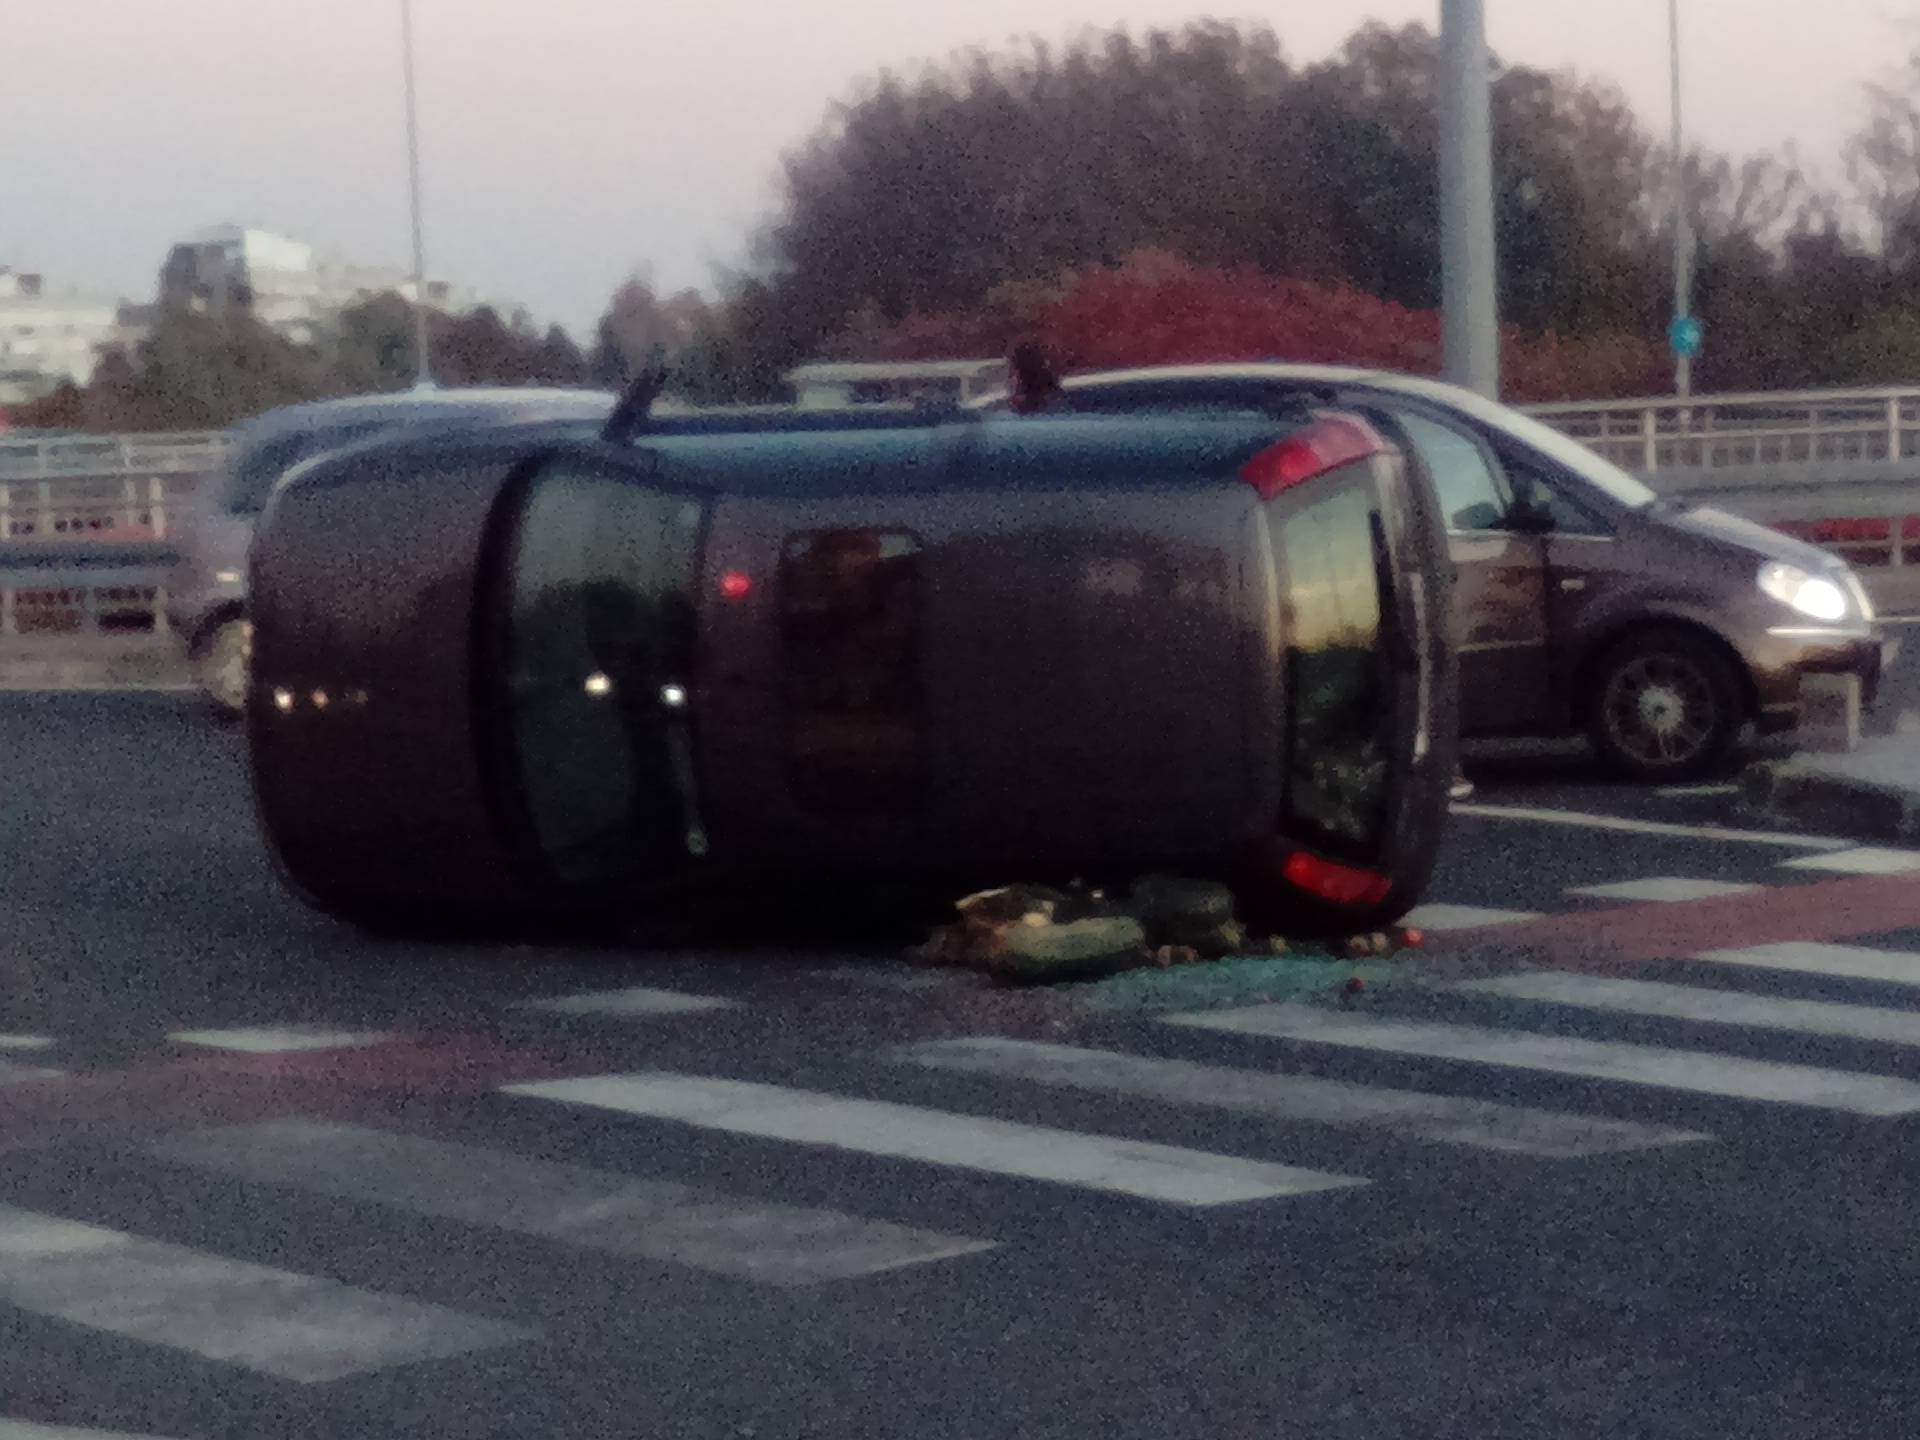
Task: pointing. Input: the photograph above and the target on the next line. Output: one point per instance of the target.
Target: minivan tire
(1663, 703)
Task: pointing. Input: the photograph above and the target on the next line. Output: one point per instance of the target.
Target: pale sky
(567, 143)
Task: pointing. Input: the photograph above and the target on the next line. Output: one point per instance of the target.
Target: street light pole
(423, 377)
(1682, 234)
(1470, 304)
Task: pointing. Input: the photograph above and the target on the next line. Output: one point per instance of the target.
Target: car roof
(1256, 372)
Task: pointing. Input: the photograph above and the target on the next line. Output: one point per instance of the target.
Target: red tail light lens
(1341, 884)
(736, 585)
(1324, 445)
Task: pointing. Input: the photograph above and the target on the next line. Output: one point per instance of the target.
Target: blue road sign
(1685, 335)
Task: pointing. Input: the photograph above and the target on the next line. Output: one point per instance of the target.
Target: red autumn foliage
(1157, 309)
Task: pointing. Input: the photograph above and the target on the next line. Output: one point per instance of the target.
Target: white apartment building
(51, 337)
(288, 286)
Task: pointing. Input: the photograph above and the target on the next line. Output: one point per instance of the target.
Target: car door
(1500, 612)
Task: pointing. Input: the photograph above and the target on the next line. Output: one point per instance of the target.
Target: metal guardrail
(1711, 432)
(88, 529)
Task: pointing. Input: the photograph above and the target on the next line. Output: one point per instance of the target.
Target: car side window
(1542, 494)
(1471, 497)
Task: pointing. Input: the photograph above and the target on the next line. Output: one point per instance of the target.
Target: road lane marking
(1862, 860)
(26, 1042)
(1663, 889)
(1711, 1007)
(296, 1327)
(12, 1074)
(1444, 1118)
(280, 1039)
(1650, 1065)
(1688, 792)
(759, 1240)
(1616, 823)
(938, 1137)
(632, 1001)
(1439, 916)
(1813, 957)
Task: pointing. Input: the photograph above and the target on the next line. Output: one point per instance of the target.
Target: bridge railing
(88, 529)
(1711, 432)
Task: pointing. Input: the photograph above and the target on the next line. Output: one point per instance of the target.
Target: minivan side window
(1463, 474)
(1542, 493)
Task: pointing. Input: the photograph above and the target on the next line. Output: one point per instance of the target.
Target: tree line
(953, 207)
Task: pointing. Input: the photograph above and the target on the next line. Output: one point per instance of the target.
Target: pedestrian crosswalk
(1245, 1111)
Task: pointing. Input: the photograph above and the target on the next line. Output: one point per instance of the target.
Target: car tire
(223, 664)
(1663, 704)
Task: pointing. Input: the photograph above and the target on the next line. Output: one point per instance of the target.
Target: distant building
(285, 284)
(49, 338)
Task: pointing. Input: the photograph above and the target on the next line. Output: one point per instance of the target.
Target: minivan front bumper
(1785, 653)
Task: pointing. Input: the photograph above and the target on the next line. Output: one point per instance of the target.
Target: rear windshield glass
(600, 631)
(1339, 700)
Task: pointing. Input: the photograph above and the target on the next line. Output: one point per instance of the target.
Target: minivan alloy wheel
(1665, 704)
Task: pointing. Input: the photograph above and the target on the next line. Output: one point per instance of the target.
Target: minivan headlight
(1814, 596)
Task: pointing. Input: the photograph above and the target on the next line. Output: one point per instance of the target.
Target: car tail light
(1341, 884)
(1324, 445)
(736, 585)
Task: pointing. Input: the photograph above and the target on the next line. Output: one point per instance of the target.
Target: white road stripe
(26, 1042)
(1581, 820)
(1462, 917)
(1444, 1118)
(1711, 1007)
(280, 1039)
(1691, 1070)
(1814, 957)
(1688, 792)
(296, 1327)
(12, 1074)
(1663, 889)
(28, 1430)
(635, 1000)
(651, 1219)
(938, 1137)
(1862, 860)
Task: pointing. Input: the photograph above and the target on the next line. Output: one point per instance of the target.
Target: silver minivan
(207, 595)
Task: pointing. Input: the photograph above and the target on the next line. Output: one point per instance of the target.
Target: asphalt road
(261, 1176)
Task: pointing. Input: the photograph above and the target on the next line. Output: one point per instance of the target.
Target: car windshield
(1598, 471)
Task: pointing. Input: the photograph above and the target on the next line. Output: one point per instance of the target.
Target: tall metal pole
(423, 377)
(1470, 303)
(1682, 232)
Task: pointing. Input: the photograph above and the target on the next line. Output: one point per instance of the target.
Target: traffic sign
(1685, 335)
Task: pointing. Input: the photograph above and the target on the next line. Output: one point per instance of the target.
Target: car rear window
(600, 621)
(259, 464)
(1339, 710)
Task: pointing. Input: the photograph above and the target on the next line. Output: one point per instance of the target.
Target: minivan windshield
(1594, 468)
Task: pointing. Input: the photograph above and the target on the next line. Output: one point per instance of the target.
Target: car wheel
(1663, 705)
(224, 664)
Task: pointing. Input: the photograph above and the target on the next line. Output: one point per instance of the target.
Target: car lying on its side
(496, 676)
(1585, 602)
(207, 597)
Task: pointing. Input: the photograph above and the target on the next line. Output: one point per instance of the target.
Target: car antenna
(635, 406)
